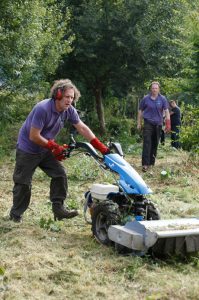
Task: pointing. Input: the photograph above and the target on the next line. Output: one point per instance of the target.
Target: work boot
(60, 212)
(16, 219)
(145, 168)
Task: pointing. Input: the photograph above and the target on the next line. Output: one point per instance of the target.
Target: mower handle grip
(89, 149)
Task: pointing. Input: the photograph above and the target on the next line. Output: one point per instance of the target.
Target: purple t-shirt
(45, 117)
(152, 110)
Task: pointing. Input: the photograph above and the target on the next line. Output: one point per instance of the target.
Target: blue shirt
(152, 110)
(45, 117)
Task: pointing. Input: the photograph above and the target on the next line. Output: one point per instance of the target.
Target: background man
(151, 109)
(36, 148)
(175, 115)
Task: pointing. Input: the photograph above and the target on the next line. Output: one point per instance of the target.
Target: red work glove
(167, 125)
(99, 146)
(57, 150)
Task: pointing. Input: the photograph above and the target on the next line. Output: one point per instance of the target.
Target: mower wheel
(103, 216)
(152, 212)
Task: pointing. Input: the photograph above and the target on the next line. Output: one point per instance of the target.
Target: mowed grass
(42, 259)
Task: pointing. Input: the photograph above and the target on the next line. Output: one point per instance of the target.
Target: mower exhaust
(162, 237)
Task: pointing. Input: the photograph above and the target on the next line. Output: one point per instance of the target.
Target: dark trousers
(175, 130)
(25, 167)
(151, 137)
(162, 137)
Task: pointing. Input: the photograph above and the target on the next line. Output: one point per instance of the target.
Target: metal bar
(176, 233)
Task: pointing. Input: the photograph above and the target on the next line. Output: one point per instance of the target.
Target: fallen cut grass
(65, 262)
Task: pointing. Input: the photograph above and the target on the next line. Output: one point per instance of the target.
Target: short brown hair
(154, 82)
(172, 101)
(63, 85)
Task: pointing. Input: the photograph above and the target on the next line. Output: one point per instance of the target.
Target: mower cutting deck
(178, 236)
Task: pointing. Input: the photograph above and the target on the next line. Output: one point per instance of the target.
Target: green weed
(49, 224)
(82, 169)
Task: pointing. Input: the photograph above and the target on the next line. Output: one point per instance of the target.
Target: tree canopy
(32, 41)
(122, 44)
(110, 48)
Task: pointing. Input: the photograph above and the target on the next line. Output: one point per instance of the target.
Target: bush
(116, 126)
(122, 130)
(14, 108)
(189, 136)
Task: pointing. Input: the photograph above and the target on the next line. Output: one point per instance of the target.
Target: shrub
(14, 108)
(189, 136)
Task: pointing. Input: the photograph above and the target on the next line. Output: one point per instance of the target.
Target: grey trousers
(25, 167)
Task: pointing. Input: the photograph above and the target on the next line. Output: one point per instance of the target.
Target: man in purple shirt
(36, 148)
(151, 109)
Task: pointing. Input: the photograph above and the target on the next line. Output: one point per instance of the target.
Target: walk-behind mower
(120, 213)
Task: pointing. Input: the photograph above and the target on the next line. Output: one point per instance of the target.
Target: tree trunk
(100, 110)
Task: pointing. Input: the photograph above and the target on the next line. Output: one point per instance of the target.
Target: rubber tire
(103, 216)
(152, 213)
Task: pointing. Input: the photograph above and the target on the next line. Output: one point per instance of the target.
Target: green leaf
(2, 271)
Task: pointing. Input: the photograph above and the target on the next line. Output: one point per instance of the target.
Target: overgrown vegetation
(85, 41)
(190, 129)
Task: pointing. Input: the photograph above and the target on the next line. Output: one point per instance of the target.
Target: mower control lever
(116, 147)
